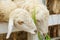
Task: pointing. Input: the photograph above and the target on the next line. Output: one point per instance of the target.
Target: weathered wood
(50, 6)
(59, 30)
(53, 6)
(56, 6)
(54, 31)
(15, 36)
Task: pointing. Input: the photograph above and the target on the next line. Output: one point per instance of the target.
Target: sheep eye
(20, 22)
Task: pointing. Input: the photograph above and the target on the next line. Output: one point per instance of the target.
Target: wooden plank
(54, 19)
(15, 36)
(57, 38)
(32, 37)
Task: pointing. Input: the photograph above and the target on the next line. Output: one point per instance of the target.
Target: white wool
(5, 0)
(5, 8)
(23, 3)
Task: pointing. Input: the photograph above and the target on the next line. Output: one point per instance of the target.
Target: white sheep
(22, 21)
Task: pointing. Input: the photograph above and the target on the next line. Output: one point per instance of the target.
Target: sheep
(42, 13)
(22, 21)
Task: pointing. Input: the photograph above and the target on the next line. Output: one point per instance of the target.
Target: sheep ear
(10, 27)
